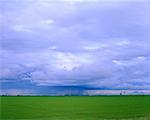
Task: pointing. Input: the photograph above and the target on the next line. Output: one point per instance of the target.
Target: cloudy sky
(99, 44)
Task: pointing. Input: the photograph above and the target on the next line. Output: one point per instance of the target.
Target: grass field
(75, 108)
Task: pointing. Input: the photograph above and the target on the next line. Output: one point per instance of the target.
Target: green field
(75, 108)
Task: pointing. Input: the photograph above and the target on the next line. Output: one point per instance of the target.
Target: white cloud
(52, 48)
(21, 28)
(118, 62)
(94, 46)
(69, 61)
(46, 23)
(141, 57)
(123, 42)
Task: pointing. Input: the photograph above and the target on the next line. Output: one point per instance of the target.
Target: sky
(83, 44)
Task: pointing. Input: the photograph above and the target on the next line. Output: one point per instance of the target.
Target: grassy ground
(75, 108)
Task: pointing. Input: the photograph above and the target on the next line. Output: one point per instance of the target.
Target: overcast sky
(101, 44)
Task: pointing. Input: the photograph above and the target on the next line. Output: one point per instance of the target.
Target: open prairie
(75, 108)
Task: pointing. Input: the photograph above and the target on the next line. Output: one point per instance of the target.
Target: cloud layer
(101, 44)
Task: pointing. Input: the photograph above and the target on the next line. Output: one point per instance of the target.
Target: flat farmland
(75, 107)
